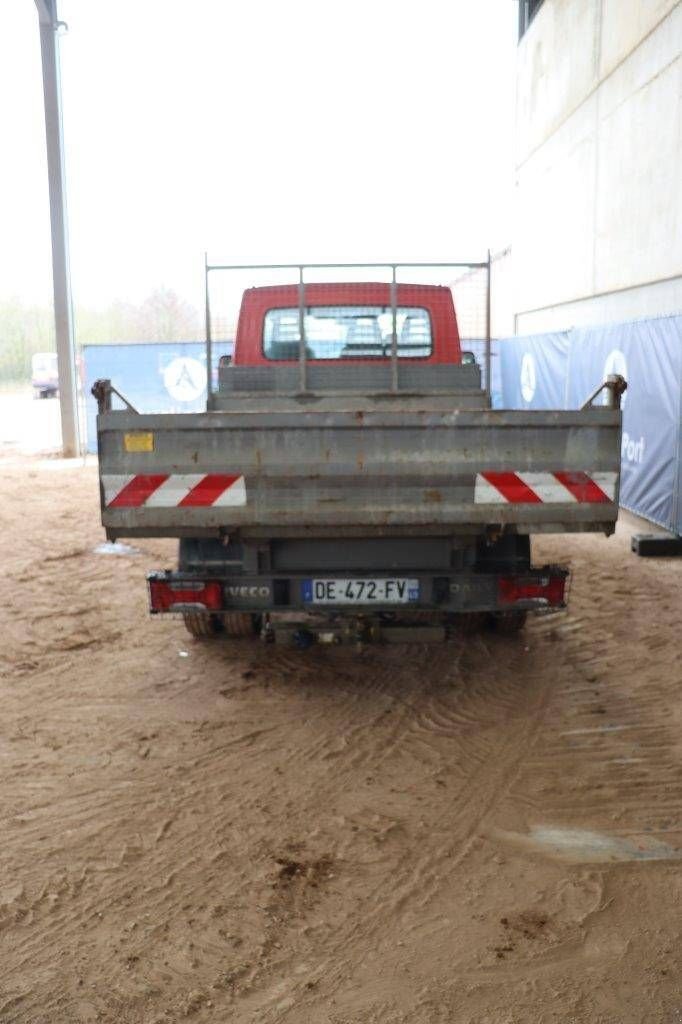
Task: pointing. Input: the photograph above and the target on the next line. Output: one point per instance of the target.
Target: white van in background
(44, 375)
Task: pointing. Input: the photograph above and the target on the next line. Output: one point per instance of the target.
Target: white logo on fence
(631, 450)
(528, 377)
(616, 363)
(185, 379)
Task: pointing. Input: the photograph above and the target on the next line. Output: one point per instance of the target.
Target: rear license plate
(361, 591)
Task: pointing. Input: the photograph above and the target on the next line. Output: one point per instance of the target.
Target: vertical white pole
(394, 331)
(63, 315)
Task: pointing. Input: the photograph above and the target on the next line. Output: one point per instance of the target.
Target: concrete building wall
(598, 231)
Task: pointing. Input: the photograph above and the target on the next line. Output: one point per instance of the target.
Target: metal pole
(302, 366)
(488, 346)
(209, 340)
(63, 313)
(394, 331)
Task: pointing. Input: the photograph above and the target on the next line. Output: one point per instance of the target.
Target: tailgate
(206, 473)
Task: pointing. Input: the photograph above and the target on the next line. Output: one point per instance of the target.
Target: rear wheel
(202, 625)
(240, 624)
(509, 622)
(232, 624)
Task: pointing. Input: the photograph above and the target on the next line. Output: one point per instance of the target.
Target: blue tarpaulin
(534, 371)
(561, 370)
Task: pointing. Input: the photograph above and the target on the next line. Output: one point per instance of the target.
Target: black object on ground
(656, 545)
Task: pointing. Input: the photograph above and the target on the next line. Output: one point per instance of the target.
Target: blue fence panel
(156, 377)
(534, 371)
(648, 353)
(677, 514)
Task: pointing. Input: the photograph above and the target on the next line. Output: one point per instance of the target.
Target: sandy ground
(482, 832)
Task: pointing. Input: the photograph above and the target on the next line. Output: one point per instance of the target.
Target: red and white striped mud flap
(499, 488)
(175, 490)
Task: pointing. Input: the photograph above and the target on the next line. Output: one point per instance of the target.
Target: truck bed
(306, 468)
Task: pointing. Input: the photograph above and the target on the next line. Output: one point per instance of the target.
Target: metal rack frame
(300, 268)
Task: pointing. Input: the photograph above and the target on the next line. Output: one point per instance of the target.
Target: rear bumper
(178, 592)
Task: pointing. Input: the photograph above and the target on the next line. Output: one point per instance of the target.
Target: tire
(201, 625)
(509, 622)
(239, 624)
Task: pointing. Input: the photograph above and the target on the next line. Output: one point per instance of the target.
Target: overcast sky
(261, 130)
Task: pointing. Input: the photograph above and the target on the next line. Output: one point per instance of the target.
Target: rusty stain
(433, 497)
(258, 458)
(195, 456)
(361, 461)
(360, 416)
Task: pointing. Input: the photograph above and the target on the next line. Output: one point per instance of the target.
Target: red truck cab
(351, 323)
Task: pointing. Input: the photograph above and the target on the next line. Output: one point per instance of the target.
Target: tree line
(26, 329)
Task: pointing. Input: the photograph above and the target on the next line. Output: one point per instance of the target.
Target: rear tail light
(185, 595)
(542, 590)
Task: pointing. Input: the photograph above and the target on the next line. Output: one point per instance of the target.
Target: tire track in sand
(482, 722)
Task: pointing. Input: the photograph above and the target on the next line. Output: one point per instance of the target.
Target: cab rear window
(348, 332)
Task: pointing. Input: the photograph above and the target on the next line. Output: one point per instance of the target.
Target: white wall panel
(553, 243)
(625, 23)
(664, 298)
(599, 161)
(557, 67)
(640, 175)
